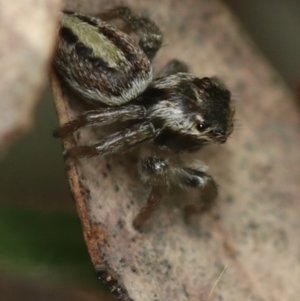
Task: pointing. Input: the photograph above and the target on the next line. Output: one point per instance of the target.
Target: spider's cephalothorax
(187, 112)
(175, 112)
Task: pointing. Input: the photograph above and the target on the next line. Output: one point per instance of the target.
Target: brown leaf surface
(27, 34)
(255, 227)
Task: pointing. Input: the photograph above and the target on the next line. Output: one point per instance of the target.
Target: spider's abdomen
(100, 62)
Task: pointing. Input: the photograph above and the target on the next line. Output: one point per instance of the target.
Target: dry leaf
(255, 227)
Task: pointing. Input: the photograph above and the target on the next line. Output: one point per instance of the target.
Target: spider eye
(202, 126)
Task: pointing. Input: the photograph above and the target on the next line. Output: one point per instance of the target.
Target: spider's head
(214, 114)
(191, 112)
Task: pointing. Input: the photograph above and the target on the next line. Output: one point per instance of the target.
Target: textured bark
(254, 229)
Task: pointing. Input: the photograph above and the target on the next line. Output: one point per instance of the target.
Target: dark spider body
(175, 112)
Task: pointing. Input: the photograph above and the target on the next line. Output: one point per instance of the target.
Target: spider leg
(121, 141)
(149, 34)
(153, 201)
(159, 171)
(189, 177)
(173, 67)
(154, 171)
(100, 118)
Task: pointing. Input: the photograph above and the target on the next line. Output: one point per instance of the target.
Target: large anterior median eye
(201, 125)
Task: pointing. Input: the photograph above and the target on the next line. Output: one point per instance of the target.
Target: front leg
(172, 67)
(189, 177)
(119, 142)
(160, 172)
(154, 171)
(148, 32)
(100, 117)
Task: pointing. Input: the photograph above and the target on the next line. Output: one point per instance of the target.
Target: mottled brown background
(257, 230)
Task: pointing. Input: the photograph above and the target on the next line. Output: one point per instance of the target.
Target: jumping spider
(175, 112)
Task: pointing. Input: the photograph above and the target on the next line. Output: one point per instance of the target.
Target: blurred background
(42, 252)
